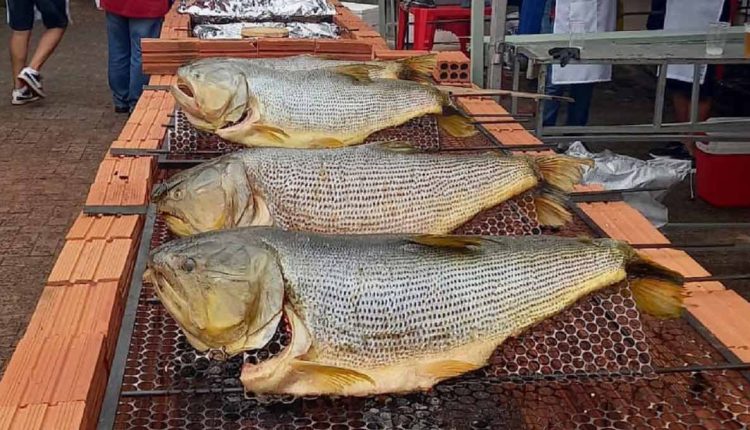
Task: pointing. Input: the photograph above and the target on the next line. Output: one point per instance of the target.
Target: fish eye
(188, 265)
(177, 194)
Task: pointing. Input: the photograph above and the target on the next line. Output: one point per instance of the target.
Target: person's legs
(578, 111)
(21, 19)
(19, 48)
(55, 18)
(47, 44)
(140, 29)
(551, 107)
(118, 60)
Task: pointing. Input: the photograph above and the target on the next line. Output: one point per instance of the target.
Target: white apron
(690, 15)
(598, 16)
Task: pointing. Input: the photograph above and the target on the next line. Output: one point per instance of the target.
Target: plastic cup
(716, 38)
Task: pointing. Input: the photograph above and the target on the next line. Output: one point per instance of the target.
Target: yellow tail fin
(456, 125)
(418, 68)
(550, 209)
(561, 171)
(656, 289)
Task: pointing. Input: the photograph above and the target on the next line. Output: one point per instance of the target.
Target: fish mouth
(184, 95)
(177, 225)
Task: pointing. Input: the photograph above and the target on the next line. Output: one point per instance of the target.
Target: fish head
(224, 291)
(212, 93)
(215, 195)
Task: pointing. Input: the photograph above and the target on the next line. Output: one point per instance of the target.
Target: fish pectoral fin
(359, 72)
(550, 208)
(454, 122)
(272, 133)
(326, 142)
(445, 369)
(398, 146)
(329, 378)
(448, 241)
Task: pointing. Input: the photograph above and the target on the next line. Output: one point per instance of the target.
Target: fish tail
(560, 171)
(418, 68)
(656, 289)
(454, 122)
(550, 208)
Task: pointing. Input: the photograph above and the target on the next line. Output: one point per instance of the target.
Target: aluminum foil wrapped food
(228, 11)
(297, 30)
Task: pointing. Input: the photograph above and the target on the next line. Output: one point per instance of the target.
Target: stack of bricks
(453, 69)
(165, 56)
(58, 373)
(177, 45)
(175, 25)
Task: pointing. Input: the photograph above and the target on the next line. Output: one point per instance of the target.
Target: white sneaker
(21, 96)
(33, 79)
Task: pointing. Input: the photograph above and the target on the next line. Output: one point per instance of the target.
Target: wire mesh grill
(185, 141)
(594, 365)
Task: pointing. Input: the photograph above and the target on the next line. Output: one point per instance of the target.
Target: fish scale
(376, 301)
(338, 103)
(372, 189)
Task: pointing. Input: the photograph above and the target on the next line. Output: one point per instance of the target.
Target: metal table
(660, 48)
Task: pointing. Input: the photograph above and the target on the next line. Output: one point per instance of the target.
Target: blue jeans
(578, 112)
(126, 77)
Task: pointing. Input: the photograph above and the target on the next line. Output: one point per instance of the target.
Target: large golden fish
(258, 106)
(374, 188)
(383, 314)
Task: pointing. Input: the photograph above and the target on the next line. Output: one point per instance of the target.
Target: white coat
(597, 16)
(690, 15)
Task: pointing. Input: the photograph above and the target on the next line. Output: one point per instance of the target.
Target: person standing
(128, 21)
(690, 15)
(593, 16)
(27, 86)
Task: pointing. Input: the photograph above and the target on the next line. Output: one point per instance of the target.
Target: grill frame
(114, 396)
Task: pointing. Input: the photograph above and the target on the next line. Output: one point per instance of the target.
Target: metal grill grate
(185, 141)
(596, 365)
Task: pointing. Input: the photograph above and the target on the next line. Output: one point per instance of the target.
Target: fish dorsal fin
(325, 142)
(588, 240)
(359, 72)
(329, 378)
(272, 133)
(448, 241)
(445, 369)
(398, 146)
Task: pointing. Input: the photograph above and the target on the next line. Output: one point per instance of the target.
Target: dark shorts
(21, 13)
(707, 89)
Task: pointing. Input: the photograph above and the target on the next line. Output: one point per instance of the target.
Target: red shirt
(136, 8)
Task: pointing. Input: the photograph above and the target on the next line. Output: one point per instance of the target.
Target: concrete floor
(49, 153)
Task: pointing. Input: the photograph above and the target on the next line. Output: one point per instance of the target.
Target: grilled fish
(383, 313)
(257, 106)
(418, 68)
(373, 188)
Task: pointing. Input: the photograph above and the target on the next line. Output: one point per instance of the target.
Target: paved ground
(49, 152)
